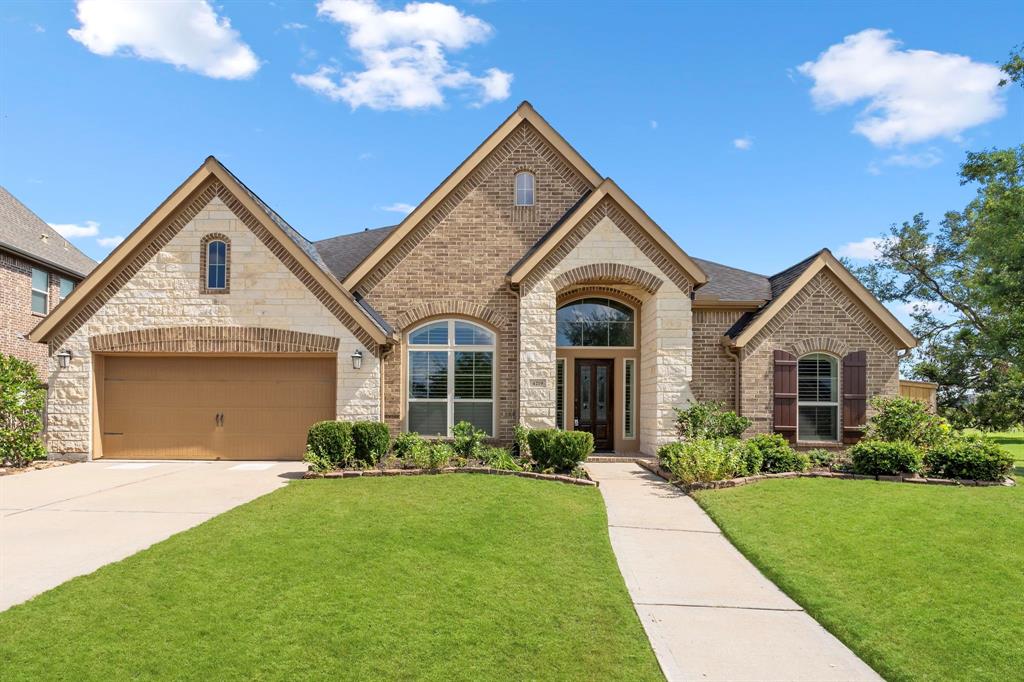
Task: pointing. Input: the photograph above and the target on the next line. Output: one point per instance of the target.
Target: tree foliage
(22, 399)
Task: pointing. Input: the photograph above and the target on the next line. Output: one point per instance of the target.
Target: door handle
(219, 419)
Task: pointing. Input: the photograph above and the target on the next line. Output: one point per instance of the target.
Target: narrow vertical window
(560, 393)
(216, 265)
(629, 398)
(40, 291)
(524, 189)
(66, 287)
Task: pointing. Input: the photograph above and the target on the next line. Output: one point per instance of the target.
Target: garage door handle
(219, 419)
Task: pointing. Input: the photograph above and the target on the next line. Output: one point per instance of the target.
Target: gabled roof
(788, 283)
(345, 252)
(729, 284)
(298, 246)
(561, 229)
(24, 233)
(524, 112)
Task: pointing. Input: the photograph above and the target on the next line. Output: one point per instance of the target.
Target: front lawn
(1013, 442)
(923, 582)
(455, 577)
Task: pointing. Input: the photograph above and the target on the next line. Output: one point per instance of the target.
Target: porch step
(616, 458)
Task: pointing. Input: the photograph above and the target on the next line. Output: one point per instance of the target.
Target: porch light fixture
(64, 357)
(357, 359)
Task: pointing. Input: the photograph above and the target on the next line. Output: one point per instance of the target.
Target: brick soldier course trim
(610, 273)
(204, 245)
(611, 292)
(449, 307)
(213, 340)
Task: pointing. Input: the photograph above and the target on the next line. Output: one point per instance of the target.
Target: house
(526, 288)
(38, 269)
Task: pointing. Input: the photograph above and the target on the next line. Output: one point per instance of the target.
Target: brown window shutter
(855, 395)
(785, 395)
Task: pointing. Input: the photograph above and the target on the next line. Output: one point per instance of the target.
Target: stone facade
(16, 310)
(459, 255)
(714, 368)
(166, 292)
(822, 317)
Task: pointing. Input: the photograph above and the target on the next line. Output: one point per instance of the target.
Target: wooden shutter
(855, 395)
(785, 395)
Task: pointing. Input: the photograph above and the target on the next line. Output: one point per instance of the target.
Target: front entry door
(593, 403)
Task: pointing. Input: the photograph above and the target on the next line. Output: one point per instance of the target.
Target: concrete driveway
(59, 523)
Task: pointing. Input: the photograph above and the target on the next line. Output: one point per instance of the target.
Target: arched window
(214, 264)
(525, 189)
(451, 377)
(596, 322)
(818, 398)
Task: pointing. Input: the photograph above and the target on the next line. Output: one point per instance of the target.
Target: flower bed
(359, 473)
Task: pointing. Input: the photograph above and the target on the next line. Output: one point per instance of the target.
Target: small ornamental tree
(22, 399)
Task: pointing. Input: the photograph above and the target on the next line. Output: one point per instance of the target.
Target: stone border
(359, 473)
(656, 469)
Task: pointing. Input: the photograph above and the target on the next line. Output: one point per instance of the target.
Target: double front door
(593, 400)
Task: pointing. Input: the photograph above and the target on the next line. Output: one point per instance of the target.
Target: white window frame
(210, 265)
(451, 348)
(636, 317)
(45, 292)
(630, 385)
(521, 192)
(834, 364)
(561, 364)
(60, 285)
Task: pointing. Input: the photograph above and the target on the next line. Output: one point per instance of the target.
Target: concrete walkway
(59, 523)
(709, 613)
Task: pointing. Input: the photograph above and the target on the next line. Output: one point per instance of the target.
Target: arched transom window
(525, 189)
(451, 377)
(596, 322)
(818, 398)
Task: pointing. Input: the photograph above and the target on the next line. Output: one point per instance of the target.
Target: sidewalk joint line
(720, 606)
(673, 530)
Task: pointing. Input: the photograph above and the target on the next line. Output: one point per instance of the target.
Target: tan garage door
(213, 407)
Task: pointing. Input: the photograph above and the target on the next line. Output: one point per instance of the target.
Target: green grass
(1013, 442)
(444, 578)
(923, 582)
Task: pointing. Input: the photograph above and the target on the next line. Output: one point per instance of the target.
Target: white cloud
(654, 125)
(110, 242)
(38, 28)
(925, 159)
(185, 33)
(404, 55)
(72, 231)
(868, 248)
(743, 143)
(294, 26)
(398, 207)
(911, 95)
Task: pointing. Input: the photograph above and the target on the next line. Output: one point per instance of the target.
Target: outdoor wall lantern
(64, 357)
(357, 359)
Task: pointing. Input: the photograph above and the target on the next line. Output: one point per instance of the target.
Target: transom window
(451, 377)
(216, 264)
(596, 322)
(40, 291)
(525, 189)
(818, 398)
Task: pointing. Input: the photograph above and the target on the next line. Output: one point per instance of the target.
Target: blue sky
(701, 112)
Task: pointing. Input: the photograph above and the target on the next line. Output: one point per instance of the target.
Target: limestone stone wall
(167, 292)
(665, 337)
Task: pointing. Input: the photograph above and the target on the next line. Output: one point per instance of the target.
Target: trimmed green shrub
(821, 458)
(885, 458)
(559, 450)
(520, 434)
(702, 460)
(709, 420)
(906, 419)
(329, 445)
(372, 441)
(776, 454)
(22, 399)
(498, 458)
(411, 448)
(439, 455)
(969, 456)
(468, 439)
(751, 460)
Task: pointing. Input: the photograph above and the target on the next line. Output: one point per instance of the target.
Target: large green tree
(965, 280)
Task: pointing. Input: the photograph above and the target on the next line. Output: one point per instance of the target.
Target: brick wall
(822, 317)
(461, 252)
(16, 311)
(714, 370)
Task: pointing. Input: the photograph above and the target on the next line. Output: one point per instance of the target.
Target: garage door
(213, 407)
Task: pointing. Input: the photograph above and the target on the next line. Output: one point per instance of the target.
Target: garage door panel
(167, 407)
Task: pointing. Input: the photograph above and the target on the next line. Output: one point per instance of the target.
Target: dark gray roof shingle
(732, 284)
(779, 282)
(23, 232)
(345, 252)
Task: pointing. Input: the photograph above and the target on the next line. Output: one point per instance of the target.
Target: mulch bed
(37, 465)
(359, 473)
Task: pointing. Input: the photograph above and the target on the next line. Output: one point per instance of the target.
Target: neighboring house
(38, 269)
(527, 288)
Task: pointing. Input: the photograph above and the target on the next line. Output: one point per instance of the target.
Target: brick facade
(16, 310)
(714, 368)
(461, 253)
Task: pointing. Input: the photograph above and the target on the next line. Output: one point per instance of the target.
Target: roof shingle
(23, 232)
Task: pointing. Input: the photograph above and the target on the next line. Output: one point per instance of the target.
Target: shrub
(559, 450)
(751, 461)
(411, 448)
(969, 456)
(439, 455)
(498, 458)
(22, 399)
(906, 419)
(468, 439)
(372, 441)
(520, 434)
(776, 454)
(702, 460)
(886, 458)
(821, 458)
(709, 420)
(329, 445)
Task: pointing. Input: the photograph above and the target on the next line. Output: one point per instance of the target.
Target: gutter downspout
(734, 355)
